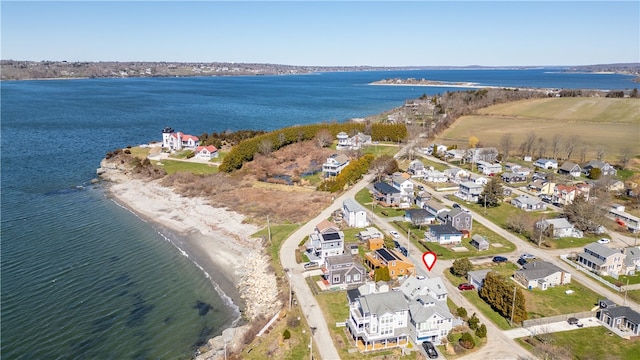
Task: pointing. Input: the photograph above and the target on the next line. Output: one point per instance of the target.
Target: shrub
(461, 267)
(286, 334)
(462, 312)
(481, 331)
(473, 322)
(466, 341)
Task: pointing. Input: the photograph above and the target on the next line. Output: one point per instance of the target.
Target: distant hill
(24, 70)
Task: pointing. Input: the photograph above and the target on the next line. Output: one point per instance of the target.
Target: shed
(479, 242)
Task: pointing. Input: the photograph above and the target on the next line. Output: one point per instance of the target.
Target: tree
(542, 147)
(466, 341)
(585, 215)
(625, 155)
(381, 274)
(492, 194)
(265, 147)
(461, 267)
(286, 334)
(323, 138)
(506, 144)
(462, 312)
(527, 145)
(601, 151)
(384, 164)
(570, 146)
(481, 331)
(473, 322)
(556, 142)
(473, 141)
(519, 222)
(595, 173)
(499, 293)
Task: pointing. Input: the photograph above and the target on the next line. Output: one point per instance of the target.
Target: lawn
(174, 166)
(379, 150)
(365, 199)
(417, 236)
(140, 152)
(554, 301)
(589, 343)
(279, 233)
(336, 309)
(595, 121)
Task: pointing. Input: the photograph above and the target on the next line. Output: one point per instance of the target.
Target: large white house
(178, 141)
(354, 214)
(326, 240)
(206, 152)
(334, 165)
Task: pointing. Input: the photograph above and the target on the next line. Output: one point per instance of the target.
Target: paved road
(315, 318)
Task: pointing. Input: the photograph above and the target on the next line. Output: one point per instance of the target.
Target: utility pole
(513, 305)
(625, 293)
(408, 239)
(269, 229)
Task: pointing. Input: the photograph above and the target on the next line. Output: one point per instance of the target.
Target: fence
(593, 275)
(557, 318)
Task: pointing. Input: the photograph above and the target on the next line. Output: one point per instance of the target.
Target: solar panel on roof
(331, 236)
(386, 254)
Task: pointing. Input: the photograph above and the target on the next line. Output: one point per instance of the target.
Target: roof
(543, 160)
(342, 159)
(417, 213)
(352, 205)
(566, 188)
(389, 255)
(527, 200)
(456, 212)
(481, 240)
(381, 303)
(209, 148)
(331, 236)
(435, 205)
(413, 287)
(339, 260)
(399, 178)
(595, 164)
(558, 223)
(385, 188)
(444, 229)
(601, 249)
(568, 166)
(324, 225)
(421, 313)
(623, 311)
(471, 185)
(479, 274)
(538, 270)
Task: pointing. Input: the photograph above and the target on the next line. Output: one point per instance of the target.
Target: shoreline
(216, 240)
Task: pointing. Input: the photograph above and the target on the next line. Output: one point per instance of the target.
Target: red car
(466, 287)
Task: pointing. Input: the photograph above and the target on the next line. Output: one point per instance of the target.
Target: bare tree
(583, 153)
(542, 147)
(556, 142)
(519, 222)
(601, 151)
(625, 156)
(570, 146)
(506, 143)
(527, 145)
(323, 138)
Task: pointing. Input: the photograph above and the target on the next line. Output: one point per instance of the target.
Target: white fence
(592, 274)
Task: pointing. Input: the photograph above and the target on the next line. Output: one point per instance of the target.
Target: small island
(424, 82)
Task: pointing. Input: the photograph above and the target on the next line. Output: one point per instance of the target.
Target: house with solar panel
(399, 265)
(326, 240)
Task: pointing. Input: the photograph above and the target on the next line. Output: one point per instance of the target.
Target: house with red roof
(563, 194)
(206, 152)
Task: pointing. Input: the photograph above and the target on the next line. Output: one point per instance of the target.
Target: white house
(528, 203)
(359, 141)
(354, 214)
(403, 184)
(326, 240)
(206, 152)
(435, 176)
(561, 228)
(178, 140)
(343, 140)
(416, 168)
(443, 235)
(334, 165)
(546, 163)
(469, 191)
(379, 321)
(488, 168)
(541, 274)
(605, 168)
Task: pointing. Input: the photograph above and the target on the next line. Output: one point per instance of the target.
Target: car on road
(522, 261)
(457, 206)
(394, 234)
(431, 351)
(604, 241)
(499, 259)
(466, 286)
(572, 321)
(311, 265)
(527, 256)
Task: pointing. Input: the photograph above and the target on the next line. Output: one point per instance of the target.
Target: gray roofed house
(418, 216)
(342, 271)
(412, 287)
(541, 274)
(443, 234)
(479, 242)
(431, 320)
(354, 214)
(528, 203)
(622, 319)
(434, 207)
(386, 193)
(561, 227)
(476, 278)
(604, 167)
(459, 219)
(602, 259)
(570, 168)
(334, 165)
(513, 178)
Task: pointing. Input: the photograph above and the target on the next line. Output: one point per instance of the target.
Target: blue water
(82, 277)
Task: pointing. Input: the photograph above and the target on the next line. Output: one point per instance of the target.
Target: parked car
(394, 234)
(404, 250)
(457, 206)
(604, 241)
(499, 259)
(311, 265)
(522, 261)
(572, 321)
(466, 286)
(431, 351)
(527, 256)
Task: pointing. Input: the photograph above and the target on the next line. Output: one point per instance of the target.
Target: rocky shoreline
(216, 239)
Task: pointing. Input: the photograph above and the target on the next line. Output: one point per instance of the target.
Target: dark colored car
(522, 261)
(456, 206)
(466, 286)
(432, 353)
(499, 259)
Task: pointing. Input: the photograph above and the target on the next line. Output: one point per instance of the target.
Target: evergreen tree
(473, 322)
(481, 331)
(499, 293)
(492, 194)
(462, 312)
(461, 267)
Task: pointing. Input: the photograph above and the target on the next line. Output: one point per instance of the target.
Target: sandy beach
(216, 239)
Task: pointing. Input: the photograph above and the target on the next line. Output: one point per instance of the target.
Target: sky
(339, 33)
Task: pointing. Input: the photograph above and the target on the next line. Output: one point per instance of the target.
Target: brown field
(612, 123)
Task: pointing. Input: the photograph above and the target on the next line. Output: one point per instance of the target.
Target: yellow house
(398, 264)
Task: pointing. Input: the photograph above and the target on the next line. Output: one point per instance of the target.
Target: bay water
(84, 278)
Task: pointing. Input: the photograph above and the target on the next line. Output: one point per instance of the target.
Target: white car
(604, 241)
(394, 234)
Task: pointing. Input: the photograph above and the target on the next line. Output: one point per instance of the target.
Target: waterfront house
(354, 214)
(326, 240)
(603, 260)
(334, 165)
(343, 141)
(176, 141)
(206, 152)
(542, 275)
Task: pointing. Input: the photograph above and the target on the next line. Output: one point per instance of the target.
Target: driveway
(551, 328)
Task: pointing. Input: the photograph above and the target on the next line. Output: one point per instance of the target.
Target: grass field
(612, 123)
(174, 166)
